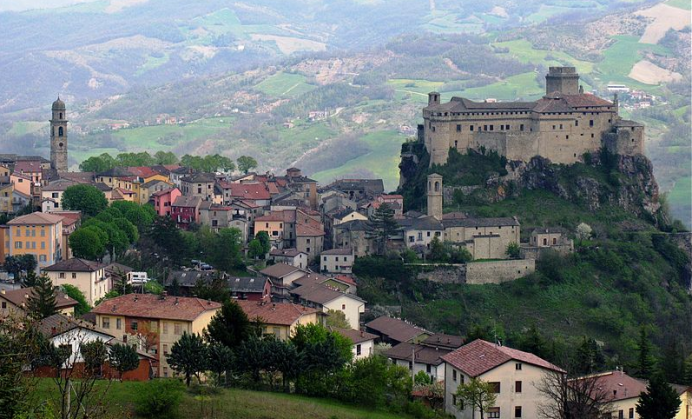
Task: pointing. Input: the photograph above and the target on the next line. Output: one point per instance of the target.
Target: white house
(419, 358)
(70, 334)
(293, 257)
(363, 342)
(516, 376)
(337, 261)
(90, 277)
(325, 298)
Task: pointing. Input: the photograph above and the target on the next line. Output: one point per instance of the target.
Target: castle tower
(58, 137)
(435, 196)
(564, 80)
(433, 98)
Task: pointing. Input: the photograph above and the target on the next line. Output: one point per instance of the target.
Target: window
(61, 275)
(545, 242)
(517, 387)
(517, 411)
(337, 258)
(165, 372)
(118, 324)
(576, 123)
(66, 349)
(178, 329)
(165, 349)
(74, 275)
(471, 127)
(60, 131)
(343, 306)
(494, 413)
(458, 128)
(358, 349)
(554, 240)
(621, 414)
(631, 413)
(410, 365)
(591, 122)
(325, 259)
(428, 234)
(133, 325)
(454, 375)
(165, 328)
(495, 385)
(17, 245)
(106, 323)
(428, 368)
(411, 239)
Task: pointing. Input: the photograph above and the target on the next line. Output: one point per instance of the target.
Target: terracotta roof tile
(479, 357)
(355, 336)
(275, 313)
(156, 307)
(396, 329)
(279, 270)
(617, 385)
(36, 218)
(19, 297)
(75, 265)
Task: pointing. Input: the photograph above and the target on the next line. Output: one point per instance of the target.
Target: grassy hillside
(230, 403)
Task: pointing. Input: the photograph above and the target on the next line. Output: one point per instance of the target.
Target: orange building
(38, 234)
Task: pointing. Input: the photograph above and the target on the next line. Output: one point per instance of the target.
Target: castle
(562, 126)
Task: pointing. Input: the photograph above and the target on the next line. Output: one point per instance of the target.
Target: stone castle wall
(497, 272)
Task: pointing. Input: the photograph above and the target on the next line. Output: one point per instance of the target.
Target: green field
(447, 22)
(285, 85)
(382, 160)
(620, 57)
(682, 4)
(522, 86)
(231, 403)
(524, 51)
(152, 62)
(26, 127)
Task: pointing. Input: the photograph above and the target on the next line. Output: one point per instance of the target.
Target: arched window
(437, 186)
(60, 115)
(60, 132)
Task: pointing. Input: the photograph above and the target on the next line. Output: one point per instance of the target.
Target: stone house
(292, 257)
(88, 276)
(419, 232)
(543, 240)
(355, 235)
(200, 185)
(515, 376)
(154, 322)
(484, 238)
(337, 261)
(309, 240)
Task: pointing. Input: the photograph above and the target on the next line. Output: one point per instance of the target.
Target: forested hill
(630, 274)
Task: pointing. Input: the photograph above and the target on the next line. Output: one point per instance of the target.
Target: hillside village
(282, 249)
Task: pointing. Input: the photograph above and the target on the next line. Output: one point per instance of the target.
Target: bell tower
(434, 192)
(58, 136)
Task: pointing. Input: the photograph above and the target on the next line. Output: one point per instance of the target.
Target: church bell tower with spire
(58, 137)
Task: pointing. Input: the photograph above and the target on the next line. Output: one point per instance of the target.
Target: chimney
(362, 334)
(3, 292)
(176, 301)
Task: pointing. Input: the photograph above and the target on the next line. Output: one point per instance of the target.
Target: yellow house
(280, 319)
(154, 323)
(39, 234)
(13, 302)
(4, 170)
(90, 277)
(6, 192)
(272, 223)
(685, 393)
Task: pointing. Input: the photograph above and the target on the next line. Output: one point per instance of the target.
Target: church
(562, 126)
(58, 136)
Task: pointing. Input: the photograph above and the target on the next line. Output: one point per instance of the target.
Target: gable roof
(58, 324)
(28, 166)
(291, 253)
(396, 329)
(152, 306)
(616, 385)
(308, 231)
(58, 185)
(481, 222)
(20, 296)
(187, 201)
(75, 265)
(247, 190)
(190, 278)
(338, 252)
(36, 218)
(479, 357)
(441, 340)
(418, 353)
(321, 294)
(247, 284)
(279, 270)
(199, 178)
(275, 313)
(355, 336)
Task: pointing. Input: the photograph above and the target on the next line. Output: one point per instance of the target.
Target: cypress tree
(42, 300)
(645, 362)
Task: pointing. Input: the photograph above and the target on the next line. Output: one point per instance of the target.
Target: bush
(159, 398)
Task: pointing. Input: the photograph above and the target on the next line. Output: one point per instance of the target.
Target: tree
(583, 232)
(513, 251)
(165, 157)
(477, 394)
(226, 251)
(660, 401)
(383, 226)
(42, 300)
(97, 164)
(85, 198)
(94, 354)
(230, 326)
(73, 292)
(337, 318)
(438, 253)
(645, 361)
(263, 237)
(220, 361)
(87, 243)
(246, 163)
(255, 249)
(30, 280)
(141, 216)
(189, 356)
(588, 357)
(582, 397)
(16, 264)
(532, 341)
(123, 358)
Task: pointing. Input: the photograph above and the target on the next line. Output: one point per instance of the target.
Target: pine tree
(189, 356)
(383, 226)
(123, 358)
(645, 362)
(42, 300)
(30, 279)
(660, 401)
(229, 327)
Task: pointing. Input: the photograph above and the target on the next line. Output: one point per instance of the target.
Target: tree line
(207, 164)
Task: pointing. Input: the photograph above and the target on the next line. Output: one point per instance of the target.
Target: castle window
(609, 121)
(591, 122)
(566, 137)
(507, 127)
(591, 135)
(491, 127)
(458, 127)
(456, 143)
(471, 127)
(521, 127)
(60, 115)
(485, 127)
(553, 126)
(560, 126)
(576, 123)
(60, 132)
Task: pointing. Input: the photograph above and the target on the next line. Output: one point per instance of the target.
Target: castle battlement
(562, 126)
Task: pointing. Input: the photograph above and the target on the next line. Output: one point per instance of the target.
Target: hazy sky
(18, 5)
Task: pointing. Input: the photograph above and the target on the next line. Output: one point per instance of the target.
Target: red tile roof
(304, 230)
(28, 166)
(20, 296)
(355, 336)
(275, 313)
(272, 216)
(479, 357)
(247, 190)
(142, 171)
(396, 329)
(36, 218)
(616, 385)
(156, 307)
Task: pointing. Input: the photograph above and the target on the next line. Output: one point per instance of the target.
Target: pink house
(163, 200)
